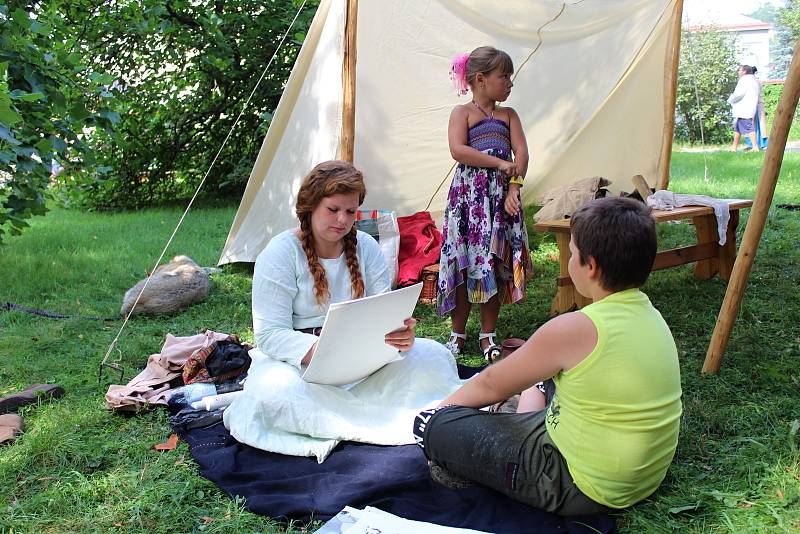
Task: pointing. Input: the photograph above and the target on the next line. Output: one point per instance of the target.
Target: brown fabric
(194, 370)
(197, 369)
(561, 203)
(151, 386)
(11, 425)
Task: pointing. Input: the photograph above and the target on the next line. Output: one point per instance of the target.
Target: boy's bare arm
(559, 345)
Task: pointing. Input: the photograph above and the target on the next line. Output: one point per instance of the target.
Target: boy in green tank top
(605, 438)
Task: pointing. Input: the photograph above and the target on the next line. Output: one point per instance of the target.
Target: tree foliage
(134, 98)
(789, 16)
(707, 75)
(183, 71)
(765, 13)
(48, 96)
(787, 31)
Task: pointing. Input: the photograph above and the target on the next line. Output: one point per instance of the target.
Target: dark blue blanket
(394, 479)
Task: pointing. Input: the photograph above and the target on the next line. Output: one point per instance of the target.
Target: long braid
(321, 292)
(351, 255)
(327, 179)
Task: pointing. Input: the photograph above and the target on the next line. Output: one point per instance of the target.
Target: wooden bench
(711, 258)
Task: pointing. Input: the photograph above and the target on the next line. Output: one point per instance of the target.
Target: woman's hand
(513, 204)
(508, 168)
(403, 339)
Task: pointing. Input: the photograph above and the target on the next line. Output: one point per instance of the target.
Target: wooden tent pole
(758, 216)
(349, 83)
(669, 105)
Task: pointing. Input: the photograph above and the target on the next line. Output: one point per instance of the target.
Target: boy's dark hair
(620, 234)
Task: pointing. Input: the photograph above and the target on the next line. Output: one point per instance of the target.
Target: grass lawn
(79, 468)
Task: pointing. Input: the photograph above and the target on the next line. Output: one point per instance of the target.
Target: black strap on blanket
(10, 306)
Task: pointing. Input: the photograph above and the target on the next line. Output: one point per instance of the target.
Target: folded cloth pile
(561, 203)
(211, 358)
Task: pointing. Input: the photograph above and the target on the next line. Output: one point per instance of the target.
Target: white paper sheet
(351, 345)
(373, 520)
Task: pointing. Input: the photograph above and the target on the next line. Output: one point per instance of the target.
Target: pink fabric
(420, 244)
(151, 386)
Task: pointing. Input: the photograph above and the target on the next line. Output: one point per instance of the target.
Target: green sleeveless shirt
(615, 415)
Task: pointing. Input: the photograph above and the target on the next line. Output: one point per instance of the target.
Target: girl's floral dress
(478, 235)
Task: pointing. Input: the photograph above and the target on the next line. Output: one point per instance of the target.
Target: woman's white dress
(278, 411)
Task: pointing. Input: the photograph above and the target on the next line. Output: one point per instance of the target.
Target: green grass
(81, 468)
(725, 174)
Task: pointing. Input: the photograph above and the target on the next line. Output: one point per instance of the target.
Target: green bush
(707, 75)
(772, 95)
(183, 71)
(134, 99)
(49, 98)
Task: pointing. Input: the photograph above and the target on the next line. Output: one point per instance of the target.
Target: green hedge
(772, 95)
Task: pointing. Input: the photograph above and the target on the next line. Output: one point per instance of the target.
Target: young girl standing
(484, 256)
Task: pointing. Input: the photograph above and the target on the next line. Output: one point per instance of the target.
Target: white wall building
(752, 36)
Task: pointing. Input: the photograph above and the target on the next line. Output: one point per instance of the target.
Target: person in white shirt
(296, 278)
(744, 103)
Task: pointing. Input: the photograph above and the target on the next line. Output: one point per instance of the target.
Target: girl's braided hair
(327, 179)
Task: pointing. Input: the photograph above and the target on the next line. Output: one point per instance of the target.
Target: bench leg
(567, 297)
(705, 227)
(727, 252)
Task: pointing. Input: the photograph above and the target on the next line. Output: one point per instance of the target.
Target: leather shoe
(30, 395)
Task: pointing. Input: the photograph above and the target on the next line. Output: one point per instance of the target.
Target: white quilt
(280, 412)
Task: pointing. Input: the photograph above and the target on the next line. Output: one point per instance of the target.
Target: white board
(351, 344)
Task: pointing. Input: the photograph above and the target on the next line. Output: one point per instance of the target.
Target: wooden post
(758, 216)
(662, 181)
(705, 227)
(347, 143)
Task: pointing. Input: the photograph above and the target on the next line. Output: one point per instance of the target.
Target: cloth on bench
(666, 200)
(561, 202)
(394, 479)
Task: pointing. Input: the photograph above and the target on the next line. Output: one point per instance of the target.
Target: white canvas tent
(594, 90)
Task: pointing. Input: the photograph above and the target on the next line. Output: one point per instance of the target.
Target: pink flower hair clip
(458, 73)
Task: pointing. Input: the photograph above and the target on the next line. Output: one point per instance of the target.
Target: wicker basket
(430, 281)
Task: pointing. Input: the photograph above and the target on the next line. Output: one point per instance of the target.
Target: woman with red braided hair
(297, 276)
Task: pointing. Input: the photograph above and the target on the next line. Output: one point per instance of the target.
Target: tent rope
(522, 65)
(115, 366)
(690, 48)
(10, 306)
